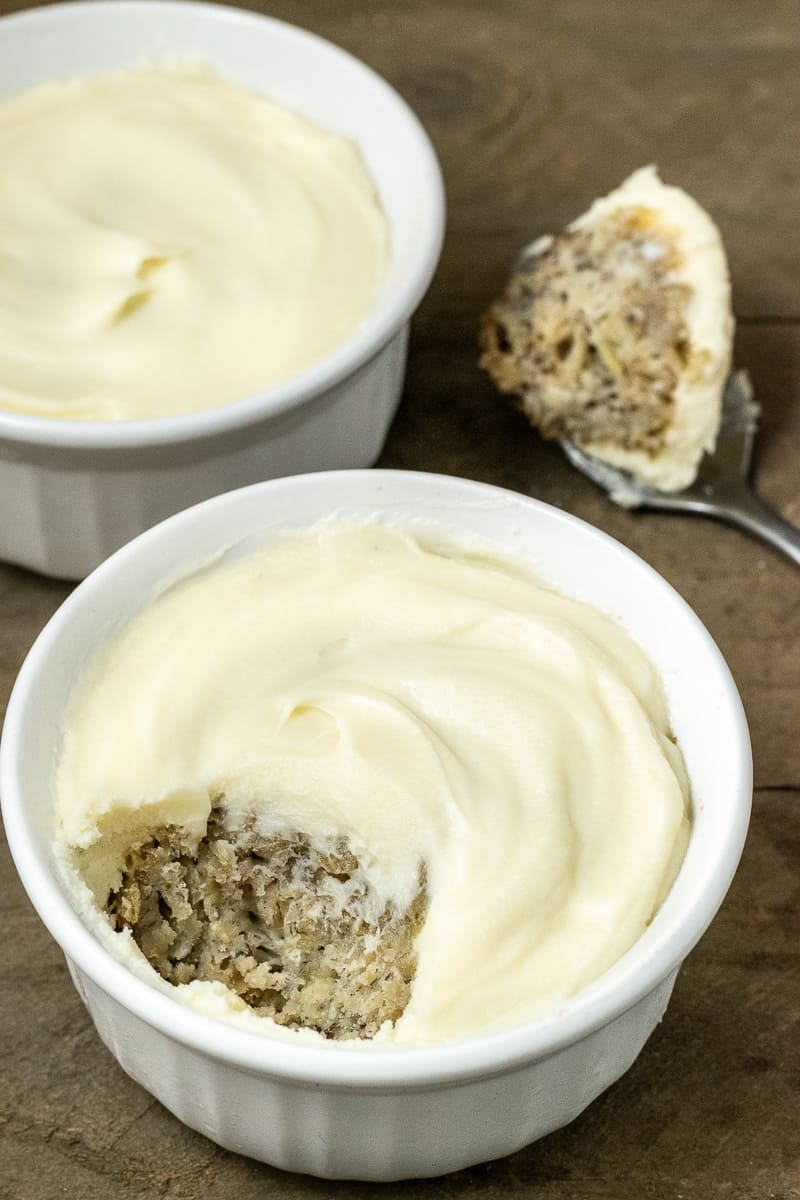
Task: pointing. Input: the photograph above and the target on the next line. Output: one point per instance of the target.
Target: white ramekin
(72, 492)
(391, 1113)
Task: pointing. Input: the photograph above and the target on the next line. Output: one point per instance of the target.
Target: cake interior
(291, 926)
(591, 333)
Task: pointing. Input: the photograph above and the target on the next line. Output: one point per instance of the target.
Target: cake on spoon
(617, 333)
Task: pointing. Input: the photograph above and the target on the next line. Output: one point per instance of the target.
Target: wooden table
(537, 106)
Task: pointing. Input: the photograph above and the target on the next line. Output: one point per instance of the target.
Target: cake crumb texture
(290, 927)
(590, 335)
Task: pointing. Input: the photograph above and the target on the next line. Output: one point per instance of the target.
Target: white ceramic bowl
(71, 492)
(391, 1113)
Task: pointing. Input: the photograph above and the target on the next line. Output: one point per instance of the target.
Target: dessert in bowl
(376, 1107)
(86, 463)
(175, 243)
(371, 782)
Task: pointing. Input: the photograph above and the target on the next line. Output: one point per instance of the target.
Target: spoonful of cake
(615, 338)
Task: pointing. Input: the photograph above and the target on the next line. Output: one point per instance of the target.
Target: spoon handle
(740, 506)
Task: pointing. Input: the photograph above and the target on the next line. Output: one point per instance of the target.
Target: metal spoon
(721, 489)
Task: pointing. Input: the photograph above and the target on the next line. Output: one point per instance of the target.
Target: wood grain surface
(535, 107)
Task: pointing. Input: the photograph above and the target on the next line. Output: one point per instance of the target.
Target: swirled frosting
(432, 703)
(170, 242)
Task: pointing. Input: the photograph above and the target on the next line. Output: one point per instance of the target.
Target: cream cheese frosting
(170, 242)
(430, 701)
(703, 268)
